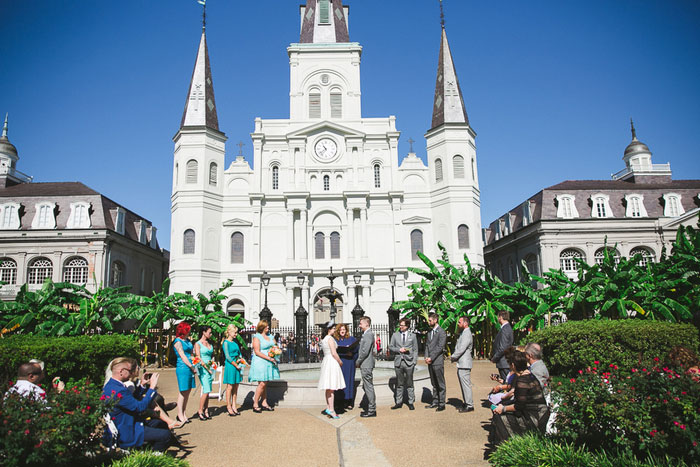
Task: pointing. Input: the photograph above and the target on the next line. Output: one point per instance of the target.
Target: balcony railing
(661, 168)
(16, 174)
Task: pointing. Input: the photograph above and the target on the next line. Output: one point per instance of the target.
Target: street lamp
(332, 295)
(265, 313)
(392, 312)
(301, 320)
(357, 312)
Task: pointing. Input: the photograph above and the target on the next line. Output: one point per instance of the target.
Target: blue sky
(95, 89)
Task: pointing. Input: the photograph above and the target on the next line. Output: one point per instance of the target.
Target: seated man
(29, 376)
(133, 429)
(533, 352)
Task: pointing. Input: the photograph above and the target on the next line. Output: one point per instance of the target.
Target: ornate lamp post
(357, 312)
(332, 295)
(265, 313)
(393, 313)
(301, 320)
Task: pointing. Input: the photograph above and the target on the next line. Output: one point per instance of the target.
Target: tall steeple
(200, 107)
(324, 21)
(7, 150)
(448, 106)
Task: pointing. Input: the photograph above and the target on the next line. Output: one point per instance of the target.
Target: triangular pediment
(417, 220)
(325, 126)
(237, 222)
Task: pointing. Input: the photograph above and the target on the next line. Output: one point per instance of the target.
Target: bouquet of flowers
(275, 352)
(196, 361)
(241, 362)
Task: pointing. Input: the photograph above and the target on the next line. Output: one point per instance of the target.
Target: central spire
(324, 21)
(448, 105)
(200, 107)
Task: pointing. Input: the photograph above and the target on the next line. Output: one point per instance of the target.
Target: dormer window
(601, 206)
(79, 216)
(635, 206)
(121, 215)
(672, 205)
(324, 8)
(153, 243)
(527, 213)
(566, 209)
(9, 216)
(142, 233)
(44, 217)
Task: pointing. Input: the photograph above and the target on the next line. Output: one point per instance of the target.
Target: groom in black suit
(504, 339)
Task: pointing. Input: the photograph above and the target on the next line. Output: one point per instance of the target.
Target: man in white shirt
(29, 376)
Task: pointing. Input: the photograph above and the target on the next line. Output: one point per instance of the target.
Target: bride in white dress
(331, 377)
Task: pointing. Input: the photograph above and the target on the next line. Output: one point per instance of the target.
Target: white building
(326, 188)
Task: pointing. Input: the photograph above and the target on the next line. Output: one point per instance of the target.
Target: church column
(363, 221)
(304, 216)
(351, 236)
(289, 308)
(306, 300)
(290, 236)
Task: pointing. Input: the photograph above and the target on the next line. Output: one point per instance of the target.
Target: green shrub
(647, 411)
(60, 430)
(533, 450)
(573, 345)
(68, 357)
(148, 459)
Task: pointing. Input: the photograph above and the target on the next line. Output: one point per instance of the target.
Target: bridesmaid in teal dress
(184, 369)
(205, 351)
(263, 368)
(232, 370)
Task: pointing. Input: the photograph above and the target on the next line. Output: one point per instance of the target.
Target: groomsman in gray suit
(434, 349)
(365, 362)
(463, 356)
(404, 346)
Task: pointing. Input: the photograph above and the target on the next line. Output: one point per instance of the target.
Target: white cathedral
(326, 189)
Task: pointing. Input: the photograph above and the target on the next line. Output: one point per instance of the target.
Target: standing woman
(347, 351)
(184, 370)
(263, 368)
(205, 351)
(331, 377)
(232, 370)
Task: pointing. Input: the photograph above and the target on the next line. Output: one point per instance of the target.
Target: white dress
(331, 376)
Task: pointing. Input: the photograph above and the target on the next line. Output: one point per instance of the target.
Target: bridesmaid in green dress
(205, 351)
(233, 369)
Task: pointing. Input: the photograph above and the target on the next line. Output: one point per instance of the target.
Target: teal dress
(185, 377)
(205, 378)
(232, 353)
(261, 369)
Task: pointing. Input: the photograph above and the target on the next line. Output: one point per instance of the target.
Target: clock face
(325, 149)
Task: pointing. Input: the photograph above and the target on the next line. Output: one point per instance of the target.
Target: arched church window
(438, 170)
(336, 104)
(326, 183)
(568, 260)
(75, 270)
(213, 169)
(314, 104)
(416, 243)
(8, 271)
(463, 237)
(377, 176)
(38, 270)
(188, 242)
(275, 177)
(458, 163)
(237, 245)
(646, 255)
(319, 240)
(191, 174)
(600, 255)
(335, 245)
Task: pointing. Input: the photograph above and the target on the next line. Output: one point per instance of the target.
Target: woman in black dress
(347, 351)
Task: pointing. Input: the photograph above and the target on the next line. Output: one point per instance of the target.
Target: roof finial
(634, 132)
(442, 16)
(4, 127)
(410, 142)
(204, 13)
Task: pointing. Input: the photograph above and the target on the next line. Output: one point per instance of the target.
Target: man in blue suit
(133, 430)
(504, 339)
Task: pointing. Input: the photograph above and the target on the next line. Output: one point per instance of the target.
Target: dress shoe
(397, 406)
(368, 414)
(411, 407)
(432, 406)
(267, 408)
(440, 409)
(466, 409)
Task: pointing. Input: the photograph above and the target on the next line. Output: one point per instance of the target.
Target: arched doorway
(322, 307)
(236, 308)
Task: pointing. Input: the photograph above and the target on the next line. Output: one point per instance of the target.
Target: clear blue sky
(95, 89)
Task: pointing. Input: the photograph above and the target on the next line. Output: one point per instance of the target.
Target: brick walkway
(302, 437)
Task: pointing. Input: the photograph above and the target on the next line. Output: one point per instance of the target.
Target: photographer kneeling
(133, 429)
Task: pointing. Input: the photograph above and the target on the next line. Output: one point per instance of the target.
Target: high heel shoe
(267, 408)
(201, 416)
(207, 416)
(332, 415)
(257, 410)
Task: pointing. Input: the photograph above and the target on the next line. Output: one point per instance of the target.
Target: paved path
(303, 437)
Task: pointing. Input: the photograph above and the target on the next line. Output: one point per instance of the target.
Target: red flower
(695, 443)
(580, 372)
(634, 370)
(119, 396)
(27, 421)
(675, 423)
(594, 368)
(656, 359)
(103, 397)
(38, 445)
(644, 369)
(682, 427)
(26, 432)
(684, 393)
(88, 407)
(596, 362)
(573, 380)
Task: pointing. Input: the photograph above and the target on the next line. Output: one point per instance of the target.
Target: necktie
(403, 337)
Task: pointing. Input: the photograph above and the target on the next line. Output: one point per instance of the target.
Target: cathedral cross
(240, 147)
(410, 142)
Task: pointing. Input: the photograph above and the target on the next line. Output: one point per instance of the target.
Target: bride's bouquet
(241, 362)
(275, 352)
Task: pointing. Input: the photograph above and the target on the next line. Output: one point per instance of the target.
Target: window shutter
(212, 173)
(324, 12)
(416, 243)
(188, 242)
(336, 105)
(438, 170)
(314, 105)
(335, 245)
(319, 240)
(458, 166)
(191, 176)
(237, 245)
(463, 236)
